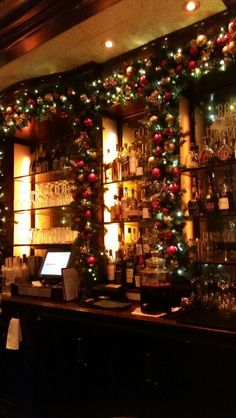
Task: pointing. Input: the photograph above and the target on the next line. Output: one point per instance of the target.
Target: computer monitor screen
(53, 263)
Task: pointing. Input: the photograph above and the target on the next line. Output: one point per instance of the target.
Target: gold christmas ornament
(48, 97)
(129, 71)
(225, 50)
(8, 120)
(232, 47)
(53, 109)
(153, 119)
(40, 100)
(201, 40)
(165, 80)
(15, 116)
(169, 118)
(63, 98)
(178, 58)
(151, 160)
(205, 57)
(9, 110)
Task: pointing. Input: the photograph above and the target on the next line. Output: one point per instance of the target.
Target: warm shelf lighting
(192, 5)
(109, 43)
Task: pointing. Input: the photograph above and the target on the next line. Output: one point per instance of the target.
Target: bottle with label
(129, 269)
(140, 265)
(124, 204)
(192, 159)
(133, 211)
(211, 199)
(207, 154)
(111, 267)
(56, 157)
(119, 267)
(195, 204)
(225, 202)
(132, 161)
(224, 152)
(140, 160)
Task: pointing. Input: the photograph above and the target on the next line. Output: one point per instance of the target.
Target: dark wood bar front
(105, 363)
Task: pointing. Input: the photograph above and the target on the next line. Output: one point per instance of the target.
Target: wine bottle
(129, 269)
(111, 267)
(226, 202)
(195, 207)
(211, 200)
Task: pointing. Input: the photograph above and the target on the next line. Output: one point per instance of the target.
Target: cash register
(48, 283)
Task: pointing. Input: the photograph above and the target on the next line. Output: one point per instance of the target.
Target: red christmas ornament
(88, 122)
(158, 151)
(166, 211)
(173, 188)
(157, 137)
(70, 91)
(156, 205)
(158, 224)
(86, 146)
(79, 163)
(156, 172)
(192, 65)
(168, 96)
(31, 102)
(91, 260)
(164, 63)
(92, 178)
(86, 194)
(74, 195)
(143, 80)
(179, 68)
(194, 50)
(56, 95)
(171, 250)
(88, 213)
(170, 132)
(168, 235)
(176, 171)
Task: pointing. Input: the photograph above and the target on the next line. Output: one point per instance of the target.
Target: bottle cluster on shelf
(48, 157)
(124, 267)
(212, 152)
(129, 160)
(130, 204)
(211, 195)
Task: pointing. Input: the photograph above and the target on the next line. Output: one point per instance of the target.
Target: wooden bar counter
(120, 362)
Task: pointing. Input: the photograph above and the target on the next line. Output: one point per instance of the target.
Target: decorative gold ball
(178, 58)
(9, 110)
(201, 40)
(63, 98)
(169, 118)
(40, 100)
(165, 80)
(129, 71)
(232, 47)
(225, 50)
(8, 120)
(15, 116)
(171, 147)
(151, 160)
(205, 57)
(153, 119)
(53, 109)
(48, 97)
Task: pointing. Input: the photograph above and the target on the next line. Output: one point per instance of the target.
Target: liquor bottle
(132, 161)
(192, 159)
(140, 265)
(211, 199)
(207, 154)
(140, 161)
(115, 210)
(225, 202)
(119, 267)
(111, 267)
(124, 160)
(32, 167)
(133, 212)
(116, 173)
(224, 152)
(146, 244)
(195, 204)
(108, 168)
(39, 159)
(139, 244)
(129, 269)
(56, 157)
(146, 207)
(124, 204)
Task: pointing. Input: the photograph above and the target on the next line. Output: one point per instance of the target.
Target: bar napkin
(14, 336)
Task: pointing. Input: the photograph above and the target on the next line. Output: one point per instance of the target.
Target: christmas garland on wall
(158, 81)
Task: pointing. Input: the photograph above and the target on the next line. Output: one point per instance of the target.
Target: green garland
(158, 81)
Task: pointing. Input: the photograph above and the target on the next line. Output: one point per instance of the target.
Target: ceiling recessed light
(191, 5)
(109, 43)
